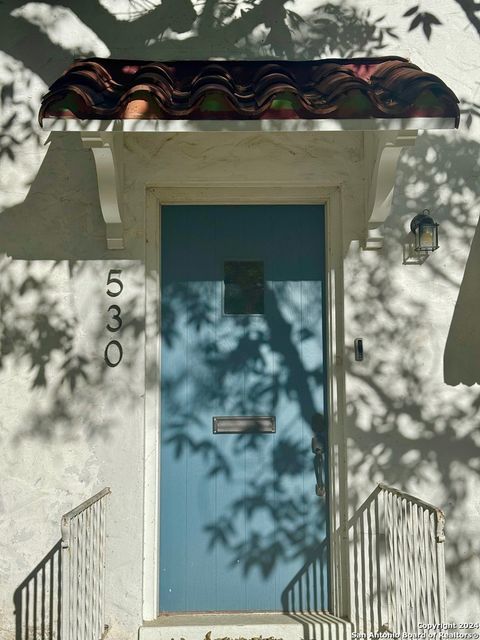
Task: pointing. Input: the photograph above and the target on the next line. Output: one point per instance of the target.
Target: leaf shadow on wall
(443, 443)
(55, 252)
(406, 425)
(67, 229)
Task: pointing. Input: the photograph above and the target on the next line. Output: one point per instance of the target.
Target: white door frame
(248, 193)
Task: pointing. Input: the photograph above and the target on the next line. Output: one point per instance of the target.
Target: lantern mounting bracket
(107, 148)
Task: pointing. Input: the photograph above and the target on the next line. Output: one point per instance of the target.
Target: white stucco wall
(69, 425)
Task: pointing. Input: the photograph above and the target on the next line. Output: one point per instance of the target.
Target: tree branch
(470, 7)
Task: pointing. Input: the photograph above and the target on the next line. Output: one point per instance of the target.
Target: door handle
(317, 446)
(317, 449)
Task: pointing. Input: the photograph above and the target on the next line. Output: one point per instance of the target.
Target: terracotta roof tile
(98, 88)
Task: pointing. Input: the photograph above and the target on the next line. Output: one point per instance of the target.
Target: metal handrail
(83, 569)
(440, 515)
(397, 563)
(67, 517)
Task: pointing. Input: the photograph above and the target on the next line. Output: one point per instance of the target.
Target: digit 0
(113, 359)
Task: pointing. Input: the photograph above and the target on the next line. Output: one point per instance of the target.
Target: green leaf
(392, 33)
(411, 11)
(431, 18)
(415, 22)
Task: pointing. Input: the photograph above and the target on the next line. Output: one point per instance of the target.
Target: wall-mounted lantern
(425, 229)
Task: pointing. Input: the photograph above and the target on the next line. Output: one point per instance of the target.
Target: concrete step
(246, 626)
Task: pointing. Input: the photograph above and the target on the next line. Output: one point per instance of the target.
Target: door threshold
(247, 626)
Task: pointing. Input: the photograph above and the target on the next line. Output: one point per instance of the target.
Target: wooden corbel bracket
(107, 152)
(382, 151)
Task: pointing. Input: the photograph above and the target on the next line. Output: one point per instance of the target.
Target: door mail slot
(244, 424)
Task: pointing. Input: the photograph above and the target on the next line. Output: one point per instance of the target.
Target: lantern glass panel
(426, 237)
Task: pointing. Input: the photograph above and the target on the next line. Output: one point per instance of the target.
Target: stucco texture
(69, 425)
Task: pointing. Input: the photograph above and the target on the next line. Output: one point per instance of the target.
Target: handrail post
(65, 579)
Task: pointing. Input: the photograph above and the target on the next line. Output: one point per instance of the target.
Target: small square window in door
(244, 287)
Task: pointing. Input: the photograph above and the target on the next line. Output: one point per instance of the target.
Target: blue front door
(243, 329)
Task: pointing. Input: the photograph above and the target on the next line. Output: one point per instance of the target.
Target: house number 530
(113, 351)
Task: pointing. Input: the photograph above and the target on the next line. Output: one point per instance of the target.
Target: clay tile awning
(350, 89)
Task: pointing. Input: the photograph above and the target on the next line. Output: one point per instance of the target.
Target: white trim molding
(268, 125)
(382, 152)
(250, 194)
(107, 153)
(151, 520)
